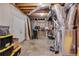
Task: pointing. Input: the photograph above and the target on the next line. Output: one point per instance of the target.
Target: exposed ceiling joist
(37, 14)
(28, 7)
(24, 7)
(27, 4)
(39, 11)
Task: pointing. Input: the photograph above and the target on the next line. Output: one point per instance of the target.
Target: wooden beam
(38, 14)
(39, 11)
(26, 11)
(26, 4)
(25, 7)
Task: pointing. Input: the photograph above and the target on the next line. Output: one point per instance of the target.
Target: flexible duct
(43, 6)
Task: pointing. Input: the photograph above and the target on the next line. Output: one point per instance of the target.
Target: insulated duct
(60, 26)
(43, 6)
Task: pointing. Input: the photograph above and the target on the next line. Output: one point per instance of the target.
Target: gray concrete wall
(15, 19)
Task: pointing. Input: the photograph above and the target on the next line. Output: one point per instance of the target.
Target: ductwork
(58, 16)
(67, 6)
(53, 14)
(71, 17)
(43, 6)
(64, 18)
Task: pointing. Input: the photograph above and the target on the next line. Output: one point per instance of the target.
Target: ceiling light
(40, 3)
(42, 14)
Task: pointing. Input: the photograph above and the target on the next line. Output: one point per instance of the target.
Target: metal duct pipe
(61, 16)
(59, 10)
(49, 15)
(43, 6)
(67, 6)
(52, 12)
(70, 17)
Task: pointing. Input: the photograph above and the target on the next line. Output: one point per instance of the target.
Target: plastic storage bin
(7, 51)
(5, 41)
(16, 51)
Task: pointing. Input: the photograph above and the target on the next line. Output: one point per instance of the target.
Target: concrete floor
(37, 47)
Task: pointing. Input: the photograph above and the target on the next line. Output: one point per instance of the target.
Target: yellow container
(7, 51)
(5, 41)
(16, 51)
(5, 36)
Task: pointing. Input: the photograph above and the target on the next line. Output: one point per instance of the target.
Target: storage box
(4, 30)
(7, 51)
(5, 41)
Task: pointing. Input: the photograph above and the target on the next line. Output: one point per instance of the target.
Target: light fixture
(40, 3)
(41, 14)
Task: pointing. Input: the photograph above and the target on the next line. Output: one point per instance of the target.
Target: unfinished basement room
(39, 29)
